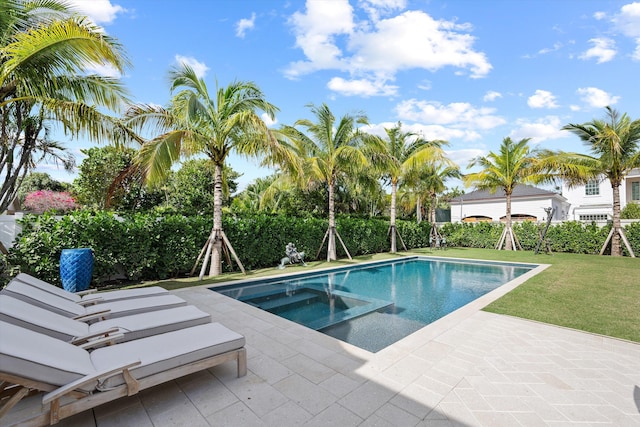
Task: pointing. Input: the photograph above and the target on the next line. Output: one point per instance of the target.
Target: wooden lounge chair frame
(14, 388)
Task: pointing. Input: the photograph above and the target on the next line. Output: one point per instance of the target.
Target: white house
(594, 201)
(527, 203)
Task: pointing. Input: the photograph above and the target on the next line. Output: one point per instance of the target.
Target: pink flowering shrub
(46, 200)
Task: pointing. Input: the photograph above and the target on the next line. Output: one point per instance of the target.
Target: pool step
(284, 300)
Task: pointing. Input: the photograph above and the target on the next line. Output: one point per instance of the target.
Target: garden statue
(293, 256)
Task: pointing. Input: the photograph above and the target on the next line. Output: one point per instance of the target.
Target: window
(635, 191)
(592, 188)
(594, 217)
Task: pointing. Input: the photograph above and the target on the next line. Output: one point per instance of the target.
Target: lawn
(598, 294)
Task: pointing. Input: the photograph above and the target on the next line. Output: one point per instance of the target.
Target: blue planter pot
(76, 268)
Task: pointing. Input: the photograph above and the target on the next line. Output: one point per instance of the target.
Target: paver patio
(470, 369)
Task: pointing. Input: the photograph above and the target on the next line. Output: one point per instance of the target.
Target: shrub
(46, 200)
(631, 211)
(144, 246)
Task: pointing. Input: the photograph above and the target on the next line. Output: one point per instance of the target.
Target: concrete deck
(471, 369)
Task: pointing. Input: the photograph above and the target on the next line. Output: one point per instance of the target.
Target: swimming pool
(374, 305)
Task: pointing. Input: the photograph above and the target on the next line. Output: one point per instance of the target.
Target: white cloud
(99, 11)
(456, 115)
(315, 33)
(267, 120)
(361, 87)
(425, 85)
(491, 95)
(595, 97)
(464, 156)
(628, 23)
(539, 130)
(245, 24)
(199, 68)
(415, 40)
(429, 132)
(331, 39)
(105, 70)
(376, 8)
(636, 53)
(628, 20)
(556, 46)
(599, 16)
(542, 99)
(603, 50)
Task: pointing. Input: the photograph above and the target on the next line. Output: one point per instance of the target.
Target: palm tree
(45, 51)
(399, 156)
(196, 122)
(614, 143)
(513, 165)
(328, 153)
(434, 179)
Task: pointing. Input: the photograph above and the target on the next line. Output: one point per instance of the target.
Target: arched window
(477, 218)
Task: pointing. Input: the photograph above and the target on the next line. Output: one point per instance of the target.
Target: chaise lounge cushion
(28, 354)
(51, 302)
(41, 358)
(98, 297)
(162, 352)
(20, 313)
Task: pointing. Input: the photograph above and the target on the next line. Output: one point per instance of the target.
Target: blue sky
(470, 72)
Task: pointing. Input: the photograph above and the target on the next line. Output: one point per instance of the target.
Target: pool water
(374, 305)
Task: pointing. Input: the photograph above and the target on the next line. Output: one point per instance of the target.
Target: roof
(520, 191)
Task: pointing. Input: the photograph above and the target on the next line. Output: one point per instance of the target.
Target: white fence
(9, 229)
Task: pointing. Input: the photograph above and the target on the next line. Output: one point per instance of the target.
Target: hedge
(149, 247)
(570, 236)
(144, 246)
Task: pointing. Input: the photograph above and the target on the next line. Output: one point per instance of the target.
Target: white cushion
(40, 298)
(99, 296)
(154, 322)
(136, 326)
(38, 319)
(51, 302)
(47, 287)
(128, 307)
(125, 294)
(162, 352)
(35, 356)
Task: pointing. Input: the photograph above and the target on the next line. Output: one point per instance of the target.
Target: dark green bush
(472, 235)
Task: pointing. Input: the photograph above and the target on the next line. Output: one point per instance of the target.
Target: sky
(467, 71)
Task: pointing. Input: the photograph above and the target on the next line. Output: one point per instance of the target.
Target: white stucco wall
(602, 203)
(496, 209)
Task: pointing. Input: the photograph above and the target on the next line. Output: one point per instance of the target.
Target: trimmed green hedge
(570, 236)
(149, 247)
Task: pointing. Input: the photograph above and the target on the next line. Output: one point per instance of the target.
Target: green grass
(598, 294)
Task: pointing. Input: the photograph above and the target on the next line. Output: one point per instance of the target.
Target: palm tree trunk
(508, 246)
(432, 212)
(392, 214)
(418, 209)
(216, 253)
(331, 245)
(616, 249)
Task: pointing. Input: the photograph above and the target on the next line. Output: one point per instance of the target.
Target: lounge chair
(30, 361)
(137, 326)
(90, 294)
(84, 311)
